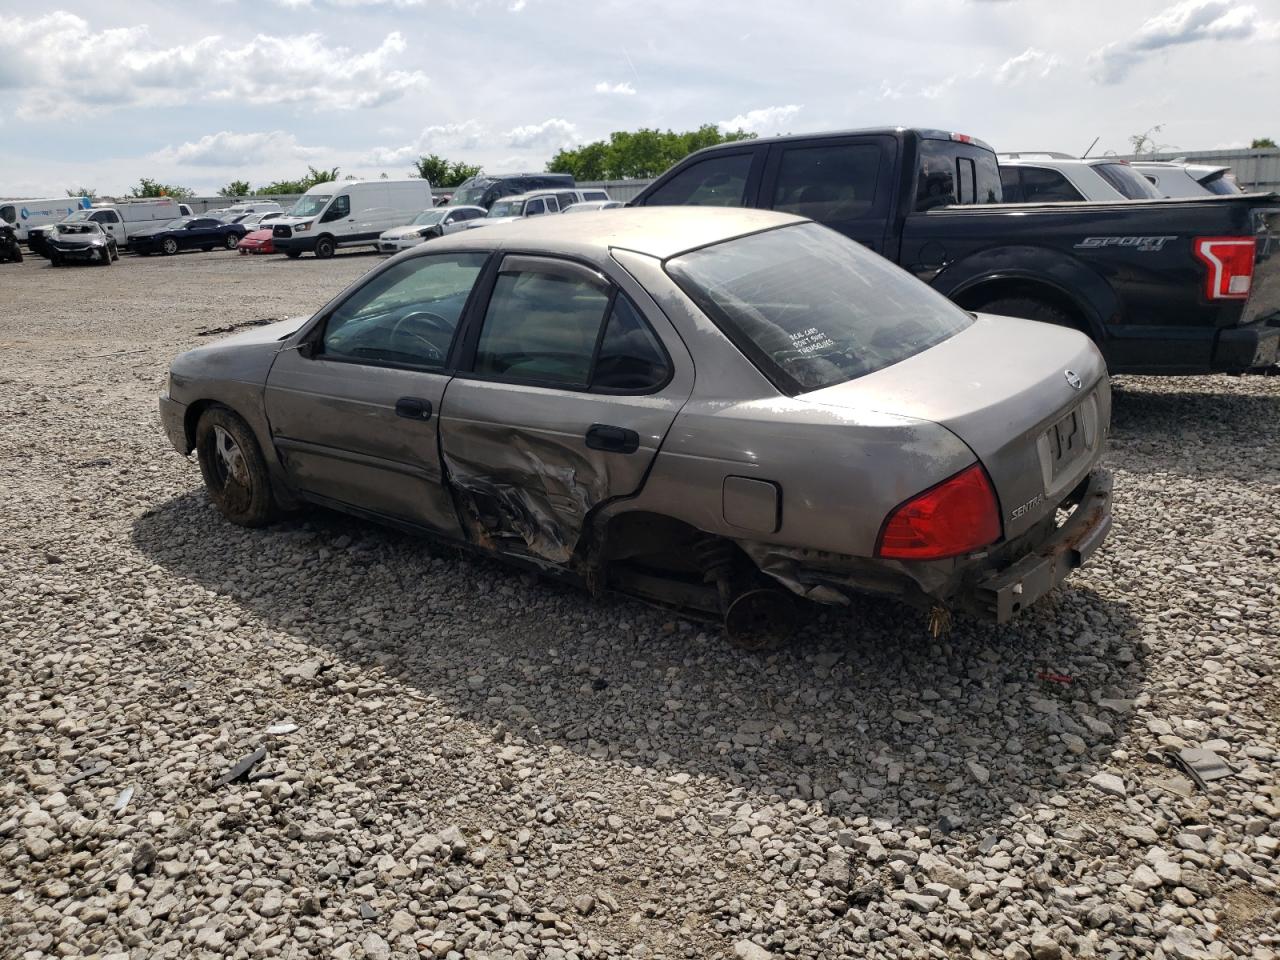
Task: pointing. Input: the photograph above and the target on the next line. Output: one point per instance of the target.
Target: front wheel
(325, 248)
(234, 470)
(105, 257)
(170, 246)
(231, 241)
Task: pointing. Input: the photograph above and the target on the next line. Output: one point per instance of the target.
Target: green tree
(441, 173)
(301, 185)
(1263, 143)
(154, 188)
(236, 188)
(639, 153)
(1145, 143)
(82, 192)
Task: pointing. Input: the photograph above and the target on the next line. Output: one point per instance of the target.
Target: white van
(253, 206)
(348, 213)
(126, 216)
(25, 214)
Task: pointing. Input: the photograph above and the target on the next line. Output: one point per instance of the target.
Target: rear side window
(1009, 184)
(1128, 181)
(828, 183)
(719, 181)
(953, 172)
(1042, 185)
(811, 308)
(594, 195)
(630, 357)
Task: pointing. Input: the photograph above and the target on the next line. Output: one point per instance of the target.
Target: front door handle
(413, 408)
(601, 436)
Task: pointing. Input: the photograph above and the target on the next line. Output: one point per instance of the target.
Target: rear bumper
(173, 416)
(1246, 348)
(1001, 594)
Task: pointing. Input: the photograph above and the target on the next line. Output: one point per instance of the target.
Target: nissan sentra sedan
(716, 410)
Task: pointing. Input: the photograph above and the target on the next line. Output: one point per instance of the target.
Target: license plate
(1066, 440)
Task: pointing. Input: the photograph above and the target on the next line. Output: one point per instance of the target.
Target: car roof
(656, 231)
(924, 132)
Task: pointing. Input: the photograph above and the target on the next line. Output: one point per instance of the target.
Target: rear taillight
(957, 516)
(1230, 263)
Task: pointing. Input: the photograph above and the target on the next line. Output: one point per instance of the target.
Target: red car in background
(259, 241)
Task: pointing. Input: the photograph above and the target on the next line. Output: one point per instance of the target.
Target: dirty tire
(169, 247)
(1030, 308)
(760, 620)
(234, 470)
(325, 248)
(293, 254)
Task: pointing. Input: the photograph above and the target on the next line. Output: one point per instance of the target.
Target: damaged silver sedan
(712, 409)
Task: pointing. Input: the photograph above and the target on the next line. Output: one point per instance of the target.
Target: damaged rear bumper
(1002, 594)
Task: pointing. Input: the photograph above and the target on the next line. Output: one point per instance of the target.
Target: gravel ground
(488, 765)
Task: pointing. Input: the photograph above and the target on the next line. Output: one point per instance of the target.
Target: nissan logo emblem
(1073, 378)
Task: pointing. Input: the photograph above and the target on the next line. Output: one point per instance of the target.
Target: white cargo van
(25, 214)
(252, 206)
(126, 216)
(348, 213)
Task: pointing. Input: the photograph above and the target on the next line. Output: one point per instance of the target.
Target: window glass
(594, 195)
(1222, 183)
(1127, 180)
(713, 182)
(936, 178)
(630, 357)
(341, 207)
(202, 223)
(541, 326)
(1042, 185)
(966, 180)
(406, 314)
(1009, 184)
(810, 307)
(9, 213)
(535, 207)
(828, 183)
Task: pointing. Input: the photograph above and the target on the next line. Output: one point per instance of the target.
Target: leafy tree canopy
(641, 153)
(1262, 143)
(441, 173)
(153, 188)
(236, 188)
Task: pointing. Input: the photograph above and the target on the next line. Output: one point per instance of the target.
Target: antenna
(1091, 146)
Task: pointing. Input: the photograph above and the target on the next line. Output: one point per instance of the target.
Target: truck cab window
(942, 179)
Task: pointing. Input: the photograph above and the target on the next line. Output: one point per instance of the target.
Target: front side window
(1042, 185)
(535, 207)
(719, 181)
(201, 224)
(506, 208)
(341, 207)
(406, 314)
(811, 308)
(828, 183)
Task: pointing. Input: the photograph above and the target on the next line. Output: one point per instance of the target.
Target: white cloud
(228, 149)
(442, 139)
(1191, 21)
(1026, 65)
(624, 88)
(554, 134)
(60, 66)
(762, 120)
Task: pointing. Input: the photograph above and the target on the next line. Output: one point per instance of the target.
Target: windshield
(78, 216)
(429, 218)
(178, 224)
(69, 227)
(811, 308)
(465, 196)
(310, 205)
(1127, 180)
(506, 208)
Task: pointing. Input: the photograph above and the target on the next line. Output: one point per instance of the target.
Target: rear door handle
(601, 436)
(413, 408)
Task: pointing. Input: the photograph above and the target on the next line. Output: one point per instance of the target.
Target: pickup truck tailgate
(1264, 296)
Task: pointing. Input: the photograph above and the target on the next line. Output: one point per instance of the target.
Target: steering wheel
(433, 320)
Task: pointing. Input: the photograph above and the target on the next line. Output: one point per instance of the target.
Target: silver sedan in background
(426, 225)
(714, 409)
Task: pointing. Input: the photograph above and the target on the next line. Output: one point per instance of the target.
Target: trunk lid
(1007, 388)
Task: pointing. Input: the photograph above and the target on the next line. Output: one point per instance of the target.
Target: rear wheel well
(976, 298)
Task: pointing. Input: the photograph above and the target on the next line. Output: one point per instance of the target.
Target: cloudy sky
(199, 92)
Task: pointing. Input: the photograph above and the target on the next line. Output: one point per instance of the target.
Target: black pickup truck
(1163, 286)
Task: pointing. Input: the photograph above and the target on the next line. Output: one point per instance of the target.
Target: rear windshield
(811, 308)
(1127, 180)
(952, 172)
(1221, 183)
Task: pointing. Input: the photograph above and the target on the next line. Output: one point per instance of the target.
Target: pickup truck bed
(1162, 286)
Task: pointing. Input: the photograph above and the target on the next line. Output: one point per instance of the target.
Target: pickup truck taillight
(1230, 263)
(957, 516)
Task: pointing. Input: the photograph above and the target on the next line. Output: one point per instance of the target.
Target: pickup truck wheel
(325, 248)
(170, 246)
(230, 241)
(234, 470)
(1031, 309)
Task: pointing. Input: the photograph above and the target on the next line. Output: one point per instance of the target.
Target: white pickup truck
(120, 218)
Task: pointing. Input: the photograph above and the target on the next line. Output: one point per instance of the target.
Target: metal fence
(1257, 171)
